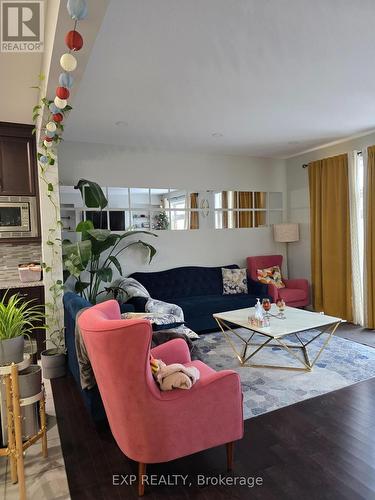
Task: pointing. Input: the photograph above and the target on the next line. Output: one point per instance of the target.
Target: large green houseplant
(18, 318)
(90, 261)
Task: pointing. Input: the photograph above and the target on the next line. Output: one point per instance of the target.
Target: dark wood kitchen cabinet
(35, 293)
(18, 165)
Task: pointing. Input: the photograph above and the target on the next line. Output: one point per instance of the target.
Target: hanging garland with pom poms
(59, 107)
(50, 114)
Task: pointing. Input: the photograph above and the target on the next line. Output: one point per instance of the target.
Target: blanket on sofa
(161, 313)
(125, 289)
(165, 312)
(160, 307)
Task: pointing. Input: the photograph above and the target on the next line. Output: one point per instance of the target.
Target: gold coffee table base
(244, 357)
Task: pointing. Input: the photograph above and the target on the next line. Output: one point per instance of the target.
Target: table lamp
(286, 233)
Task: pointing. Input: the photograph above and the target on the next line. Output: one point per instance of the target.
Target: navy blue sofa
(198, 291)
(91, 397)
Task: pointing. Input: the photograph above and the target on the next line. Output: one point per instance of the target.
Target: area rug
(342, 363)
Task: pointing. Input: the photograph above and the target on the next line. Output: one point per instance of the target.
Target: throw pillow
(234, 281)
(271, 276)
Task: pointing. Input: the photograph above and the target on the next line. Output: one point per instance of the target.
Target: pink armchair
(148, 425)
(295, 293)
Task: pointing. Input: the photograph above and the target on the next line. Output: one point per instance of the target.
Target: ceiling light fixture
(217, 135)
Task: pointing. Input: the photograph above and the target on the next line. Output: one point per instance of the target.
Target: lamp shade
(286, 233)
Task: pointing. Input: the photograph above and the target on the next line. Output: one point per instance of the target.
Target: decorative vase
(53, 363)
(11, 350)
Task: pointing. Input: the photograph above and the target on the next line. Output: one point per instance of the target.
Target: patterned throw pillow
(271, 276)
(234, 281)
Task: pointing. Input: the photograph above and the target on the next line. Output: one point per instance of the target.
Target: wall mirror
(162, 209)
(276, 201)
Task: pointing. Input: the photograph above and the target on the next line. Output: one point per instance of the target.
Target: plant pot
(11, 350)
(30, 384)
(53, 363)
(30, 381)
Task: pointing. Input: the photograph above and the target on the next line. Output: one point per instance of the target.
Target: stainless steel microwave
(18, 217)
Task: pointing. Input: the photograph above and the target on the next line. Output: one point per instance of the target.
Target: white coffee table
(296, 321)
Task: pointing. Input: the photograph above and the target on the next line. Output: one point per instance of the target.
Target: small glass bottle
(259, 314)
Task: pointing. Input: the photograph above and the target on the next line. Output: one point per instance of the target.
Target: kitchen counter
(4, 285)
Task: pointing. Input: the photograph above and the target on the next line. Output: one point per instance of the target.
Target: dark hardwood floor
(322, 448)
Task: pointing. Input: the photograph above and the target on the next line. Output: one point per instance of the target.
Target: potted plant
(30, 384)
(17, 319)
(54, 359)
(89, 261)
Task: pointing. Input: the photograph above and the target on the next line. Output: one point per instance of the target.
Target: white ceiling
(274, 77)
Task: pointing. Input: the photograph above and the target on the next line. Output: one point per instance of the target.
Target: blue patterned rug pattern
(342, 363)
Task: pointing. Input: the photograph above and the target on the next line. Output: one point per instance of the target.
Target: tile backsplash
(11, 255)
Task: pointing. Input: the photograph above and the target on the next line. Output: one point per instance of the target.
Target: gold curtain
(245, 200)
(330, 236)
(224, 206)
(260, 202)
(194, 216)
(234, 223)
(370, 240)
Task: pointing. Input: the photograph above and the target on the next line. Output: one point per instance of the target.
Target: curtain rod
(305, 165)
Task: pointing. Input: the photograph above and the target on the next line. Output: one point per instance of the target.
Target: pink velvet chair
(148, 425)
(295, 293)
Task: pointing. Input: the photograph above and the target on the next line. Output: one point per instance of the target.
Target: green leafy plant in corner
(19, 317)
(97, 252)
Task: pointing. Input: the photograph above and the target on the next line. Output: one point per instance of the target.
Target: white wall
(298, 200)
(114, 166)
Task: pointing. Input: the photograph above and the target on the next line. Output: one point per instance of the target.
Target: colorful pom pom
(62, 92)
(74, 40)
(57, 117)
(60, 103)
(51, 127)
(66, 80)
(68, 62)
(53, 108)
(77, 9)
